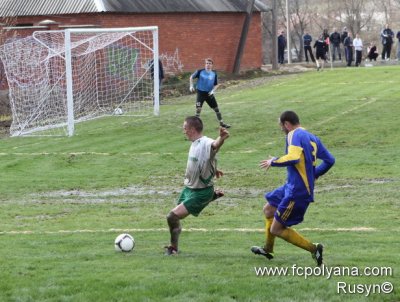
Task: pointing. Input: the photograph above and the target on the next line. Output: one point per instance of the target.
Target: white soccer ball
(118, 111)
(124, 243)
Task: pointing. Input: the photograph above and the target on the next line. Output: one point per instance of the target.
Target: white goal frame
(68, 61)
(138, 91)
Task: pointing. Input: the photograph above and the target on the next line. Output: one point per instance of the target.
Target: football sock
(290, 235)
(270, 239)
(174, 228)
(198, 111)
(219, 115)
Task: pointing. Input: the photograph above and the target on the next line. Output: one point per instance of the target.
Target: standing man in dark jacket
(281, 47)
(387, 36)
(343, 36)
(348, 49)
(335, 41)
(307, 47)
(398, 45)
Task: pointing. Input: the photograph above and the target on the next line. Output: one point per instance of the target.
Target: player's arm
(214, 89)
(327, 161)
(219, 141)
(193, 76)
(290, 159)
(191, 87)
(216, 85)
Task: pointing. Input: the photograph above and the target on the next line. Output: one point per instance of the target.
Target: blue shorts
(290, 210)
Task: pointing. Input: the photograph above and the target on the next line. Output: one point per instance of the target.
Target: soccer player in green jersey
(287, 204)
(200, 171)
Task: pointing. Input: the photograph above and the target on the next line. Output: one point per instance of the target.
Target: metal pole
(69, 79)
(288, 33)
(274, 44)
(156, 77)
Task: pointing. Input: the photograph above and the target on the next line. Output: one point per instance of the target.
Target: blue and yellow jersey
(206, 79)
(302, 151)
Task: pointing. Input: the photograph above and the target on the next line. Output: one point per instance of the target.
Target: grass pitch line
(345, 112)
(199, 230)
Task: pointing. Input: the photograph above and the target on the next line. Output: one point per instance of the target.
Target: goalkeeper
(207, 84)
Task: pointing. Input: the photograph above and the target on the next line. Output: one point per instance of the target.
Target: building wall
(195, 35)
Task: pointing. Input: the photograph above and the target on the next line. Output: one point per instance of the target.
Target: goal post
(59, 78)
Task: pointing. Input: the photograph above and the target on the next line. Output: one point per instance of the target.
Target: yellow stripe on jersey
(294, 153)
(301, 168)
(288, 211)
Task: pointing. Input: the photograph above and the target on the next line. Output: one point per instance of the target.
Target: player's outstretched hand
(219, 174)
(191, 89)
(266, 163)
(223, 133)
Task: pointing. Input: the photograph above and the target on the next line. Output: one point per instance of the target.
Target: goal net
(59, 78)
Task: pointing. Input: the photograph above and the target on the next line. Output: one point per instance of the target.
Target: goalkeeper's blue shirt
(302, 151)
(206, 79)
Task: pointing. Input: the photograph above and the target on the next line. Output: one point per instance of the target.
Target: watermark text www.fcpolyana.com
(342, 287)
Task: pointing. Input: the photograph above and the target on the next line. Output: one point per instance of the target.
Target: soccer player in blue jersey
(287, 205)
(207, 84)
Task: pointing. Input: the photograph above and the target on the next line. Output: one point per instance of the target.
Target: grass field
(64, 200)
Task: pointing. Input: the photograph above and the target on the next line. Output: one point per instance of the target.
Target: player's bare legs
(173, 219)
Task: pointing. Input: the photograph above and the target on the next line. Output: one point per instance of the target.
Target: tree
(357, 14)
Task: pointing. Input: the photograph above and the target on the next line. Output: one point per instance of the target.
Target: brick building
(193, 29)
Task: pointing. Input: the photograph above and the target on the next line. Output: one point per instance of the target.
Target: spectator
(387, 36)
(358, 47)
(160, 76)
(348, 49)
(160, 71)
(281, 47)
(398, 45)
(307, 39)
(335, 41)
(372, 52)
(325, 36)
(343, 36)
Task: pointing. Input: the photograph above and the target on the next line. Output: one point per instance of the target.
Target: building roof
(10, 8)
